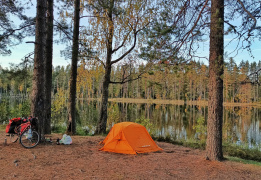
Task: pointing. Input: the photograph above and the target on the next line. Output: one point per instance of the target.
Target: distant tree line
(188, 82)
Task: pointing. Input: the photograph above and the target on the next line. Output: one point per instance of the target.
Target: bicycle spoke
(29, 139)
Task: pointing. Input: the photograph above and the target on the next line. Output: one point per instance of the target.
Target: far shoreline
(173, 102)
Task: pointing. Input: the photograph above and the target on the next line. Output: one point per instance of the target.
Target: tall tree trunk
(71, 129)
(38, 98)
(101, 126)
(48, 66)
(216, 71)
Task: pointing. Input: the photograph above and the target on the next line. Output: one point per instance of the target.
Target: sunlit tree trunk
(71, 129)
(38, 98)
(216, 71)
(48, 66)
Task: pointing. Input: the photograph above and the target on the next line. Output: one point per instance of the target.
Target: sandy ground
(83, 160)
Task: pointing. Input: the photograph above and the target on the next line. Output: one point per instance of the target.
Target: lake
(241, 125)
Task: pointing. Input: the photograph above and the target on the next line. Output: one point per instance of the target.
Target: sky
(19, 51)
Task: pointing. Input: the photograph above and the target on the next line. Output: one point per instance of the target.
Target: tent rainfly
(129, 138)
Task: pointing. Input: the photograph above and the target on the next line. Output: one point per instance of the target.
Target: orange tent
(129, 138)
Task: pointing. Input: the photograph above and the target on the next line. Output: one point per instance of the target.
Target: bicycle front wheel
(13, 137)
(29, 138)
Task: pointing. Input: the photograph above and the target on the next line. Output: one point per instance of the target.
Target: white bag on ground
(66, 139)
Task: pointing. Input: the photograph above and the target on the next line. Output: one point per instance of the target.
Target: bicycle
(26, 133)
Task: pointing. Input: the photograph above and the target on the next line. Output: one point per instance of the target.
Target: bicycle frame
(27, 136)
(25, 127)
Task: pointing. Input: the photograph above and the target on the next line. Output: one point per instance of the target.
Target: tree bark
(216, 71)
(101, 126)
(48, 66)
(71, 129)
(38, 98)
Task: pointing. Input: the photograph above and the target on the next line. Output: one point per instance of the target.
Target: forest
(188, 82)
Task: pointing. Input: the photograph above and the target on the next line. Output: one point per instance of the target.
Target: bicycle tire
(29, 140)
(13, 137)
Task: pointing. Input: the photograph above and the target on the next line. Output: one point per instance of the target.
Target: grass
(241, 152)
(187, 143)
(244, 161)
(248, 155)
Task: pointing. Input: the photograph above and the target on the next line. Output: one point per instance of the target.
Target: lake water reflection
(241, 125)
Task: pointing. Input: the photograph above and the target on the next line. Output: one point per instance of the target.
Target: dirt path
(82, 160)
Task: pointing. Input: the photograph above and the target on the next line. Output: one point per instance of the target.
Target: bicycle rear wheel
(13, 137)
(29, 138)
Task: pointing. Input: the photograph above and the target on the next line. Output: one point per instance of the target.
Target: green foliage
(113, 114)
(21, 110)
(25, 109)
(151, 73)
(85, 131)
(192, 143)
(201, 128)
(59, 128)
(241, 152)
(17, 110)
(59, 103)
(4, 112)
(147, 124)
(81, 131)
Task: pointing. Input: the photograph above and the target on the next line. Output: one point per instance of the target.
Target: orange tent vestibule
(129, 138)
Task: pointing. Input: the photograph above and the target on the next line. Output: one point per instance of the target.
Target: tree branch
(133, 46)
(97, 59)
(14, 30)
(248, 78)
(251, 16)
(122, 44)
(125, 80)
(61, 27)
(194, 26)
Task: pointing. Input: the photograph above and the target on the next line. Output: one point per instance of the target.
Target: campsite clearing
(83, 160)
